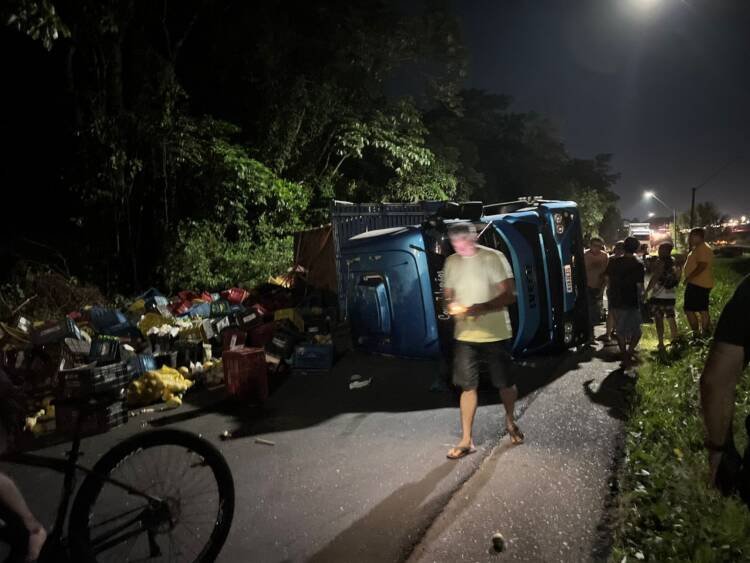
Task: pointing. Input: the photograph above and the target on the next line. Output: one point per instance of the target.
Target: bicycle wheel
(182, 510)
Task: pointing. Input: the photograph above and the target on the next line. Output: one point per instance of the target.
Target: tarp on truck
(314, 251)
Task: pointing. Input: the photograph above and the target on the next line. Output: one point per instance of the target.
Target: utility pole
(692, 208)
(706, 181)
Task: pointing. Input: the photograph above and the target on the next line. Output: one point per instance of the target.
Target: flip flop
(516, 436)
(462, 452)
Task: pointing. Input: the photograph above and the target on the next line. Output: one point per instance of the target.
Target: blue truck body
(392, 280)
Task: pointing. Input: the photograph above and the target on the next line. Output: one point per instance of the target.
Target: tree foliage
(198, 135)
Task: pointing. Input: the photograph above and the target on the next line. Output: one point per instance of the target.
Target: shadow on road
(397, 385)
(613, 392)
(370, 536)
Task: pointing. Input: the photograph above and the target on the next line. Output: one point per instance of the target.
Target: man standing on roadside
(478, 289)
(596, 261)
(727, 359)
(699, 279)
(625, 276)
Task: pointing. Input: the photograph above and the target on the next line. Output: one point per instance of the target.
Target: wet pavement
(361, 475)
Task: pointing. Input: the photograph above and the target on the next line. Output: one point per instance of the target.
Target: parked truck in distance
(392, 278)
(641, 231)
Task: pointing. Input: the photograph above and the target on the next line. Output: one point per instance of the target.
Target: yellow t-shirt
(701, 253)
(475, 279)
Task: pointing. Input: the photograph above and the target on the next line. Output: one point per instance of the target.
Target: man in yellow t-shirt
(478, 289)
(699, 279)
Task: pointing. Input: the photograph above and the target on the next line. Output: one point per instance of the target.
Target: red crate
(246, 373)
(233, 337)
(235, 295)
(262, 335)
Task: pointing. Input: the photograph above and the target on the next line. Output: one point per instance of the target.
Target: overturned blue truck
(390, 279)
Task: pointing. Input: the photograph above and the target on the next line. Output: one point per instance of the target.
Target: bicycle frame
(68, 467)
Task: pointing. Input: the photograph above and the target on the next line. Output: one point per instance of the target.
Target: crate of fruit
(93, 421)
(92, 380)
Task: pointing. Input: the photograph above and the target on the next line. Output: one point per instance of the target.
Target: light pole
(651, 195)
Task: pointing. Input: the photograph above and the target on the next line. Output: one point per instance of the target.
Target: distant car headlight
(568, 332)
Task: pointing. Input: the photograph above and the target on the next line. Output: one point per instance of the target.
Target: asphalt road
(361, 475)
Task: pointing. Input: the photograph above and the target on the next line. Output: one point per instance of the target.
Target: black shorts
(696, 298)
(467, 357)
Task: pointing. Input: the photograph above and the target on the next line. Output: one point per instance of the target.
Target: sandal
(463, 451)
(516, 436)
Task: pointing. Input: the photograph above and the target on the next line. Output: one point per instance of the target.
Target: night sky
(662, 84)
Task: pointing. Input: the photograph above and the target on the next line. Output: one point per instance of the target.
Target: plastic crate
(103, 318)
(235, 295)
(233, 338)
(262, 335)
(105, 350)
(188, 351)
(141, 363)
(76, 351)
(220, 308)
(168, 359)
(246, 373)
(291, 315)
(223, 323)
(282, 344)
(200, 310)
(250, 319)
(94, 380)
(157, 304)
(100, 420)
(313, 357)
(55, 333)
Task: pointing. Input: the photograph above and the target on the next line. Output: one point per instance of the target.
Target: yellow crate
(292, 315)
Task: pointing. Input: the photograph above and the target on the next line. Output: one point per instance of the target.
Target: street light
(651, 214)
(649, 194)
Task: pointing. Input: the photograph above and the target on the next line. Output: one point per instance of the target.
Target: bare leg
(12, 498)
(622, 344)
(508, 396)
(692, 319)
(673, 328)
(610, 323)
(659, 321)
(468, 410)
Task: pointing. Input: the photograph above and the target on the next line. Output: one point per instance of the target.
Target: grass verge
(664, 511)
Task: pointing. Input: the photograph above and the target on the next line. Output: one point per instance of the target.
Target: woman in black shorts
(663, 290)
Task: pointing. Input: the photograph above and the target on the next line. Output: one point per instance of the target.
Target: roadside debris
(146, 354)
(358, 382)
(264, 442)
(498, 542)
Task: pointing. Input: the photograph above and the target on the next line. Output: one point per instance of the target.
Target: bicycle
(135, 503)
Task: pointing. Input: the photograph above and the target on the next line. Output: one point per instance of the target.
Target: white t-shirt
(474, 279)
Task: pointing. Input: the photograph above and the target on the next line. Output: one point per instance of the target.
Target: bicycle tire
(78, 527)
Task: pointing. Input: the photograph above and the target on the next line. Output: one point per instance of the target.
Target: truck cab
(394, 290)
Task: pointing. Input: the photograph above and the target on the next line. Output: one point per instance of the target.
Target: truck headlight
(558, 218)
(568, 332)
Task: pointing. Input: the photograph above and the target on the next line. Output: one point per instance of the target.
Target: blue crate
(201, 310)
(142, 363)
(313, 357)
(104, 318)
